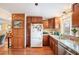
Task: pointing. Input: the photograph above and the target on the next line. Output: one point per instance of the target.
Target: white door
(36, 35)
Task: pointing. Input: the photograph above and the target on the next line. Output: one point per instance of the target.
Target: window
(67, 25)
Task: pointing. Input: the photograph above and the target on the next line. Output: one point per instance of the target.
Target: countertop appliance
(36, 35)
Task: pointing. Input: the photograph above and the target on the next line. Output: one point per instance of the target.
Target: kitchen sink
(63, 37)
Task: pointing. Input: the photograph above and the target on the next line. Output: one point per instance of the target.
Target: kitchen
(58, 31)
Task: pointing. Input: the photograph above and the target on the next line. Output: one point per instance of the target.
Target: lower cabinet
(53, 45)
(58, 48)
(45, 40)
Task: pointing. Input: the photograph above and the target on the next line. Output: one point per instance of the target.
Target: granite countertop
(67, 42)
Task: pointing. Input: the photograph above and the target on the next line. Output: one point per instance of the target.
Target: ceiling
(47, 10)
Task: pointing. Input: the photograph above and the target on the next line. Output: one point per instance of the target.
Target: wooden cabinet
(45, 24)
(28, 27)
(18, 32)
(57, 22)
(75, 7)
(45, 40)
(31, 20)
(36, 19)
(53, 45)
(75, 15)
(54, 22)
(51, 23)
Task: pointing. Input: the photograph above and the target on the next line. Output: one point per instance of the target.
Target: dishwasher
(64, 50)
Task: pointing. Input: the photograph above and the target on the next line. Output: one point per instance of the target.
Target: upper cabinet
(51, 23)
(35, 19)
(75, 7)
(54, 22)
(45, 24)
(57, 22)
(75, 15)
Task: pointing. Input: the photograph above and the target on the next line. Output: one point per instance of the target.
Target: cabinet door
(45, 40)
(14, 42)
(56, 49)
(45, 24)
(36, 19)
(51, 23)
(53, 45)
(75, 15)
(75, 19)
(57, 23)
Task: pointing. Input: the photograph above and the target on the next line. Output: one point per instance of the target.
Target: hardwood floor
(46, 50)
(26, 51)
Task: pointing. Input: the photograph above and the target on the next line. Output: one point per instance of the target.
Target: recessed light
(36, 4)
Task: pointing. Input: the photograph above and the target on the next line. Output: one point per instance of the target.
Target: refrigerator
(36, 35)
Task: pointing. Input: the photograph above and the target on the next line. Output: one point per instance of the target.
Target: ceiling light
(36, 4)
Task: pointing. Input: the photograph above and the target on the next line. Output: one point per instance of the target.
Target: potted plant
(74, 30)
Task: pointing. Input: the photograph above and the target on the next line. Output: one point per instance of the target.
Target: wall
(5, 20)
(5, 14)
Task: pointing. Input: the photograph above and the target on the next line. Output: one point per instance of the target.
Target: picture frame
(17, 24)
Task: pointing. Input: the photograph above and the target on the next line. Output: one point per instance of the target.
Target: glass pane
(67, 25)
